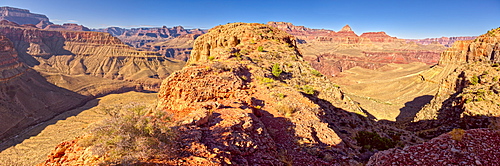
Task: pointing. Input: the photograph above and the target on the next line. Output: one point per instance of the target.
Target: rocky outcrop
(89, 53)
(26, 98)
(470, 147)
(467, 97)
(446, 41)
(229, 103)
(246, 97)
(23, 16)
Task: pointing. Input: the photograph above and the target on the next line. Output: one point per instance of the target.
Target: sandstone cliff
(247, 97)
(26, 98)
(88, 53)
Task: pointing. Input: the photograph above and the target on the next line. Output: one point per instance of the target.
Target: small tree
(277, 70)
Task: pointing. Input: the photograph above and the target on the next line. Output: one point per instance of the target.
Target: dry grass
(457, 134)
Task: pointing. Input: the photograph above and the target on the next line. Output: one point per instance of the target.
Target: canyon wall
(89, 53)
(26, 98)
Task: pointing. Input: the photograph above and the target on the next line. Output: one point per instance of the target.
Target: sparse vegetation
(316, 73)
(260, 49)
(132, 132)
(277, 70)
(474, 80)
(211, 58)
(457, 134)
(286, 110)
(308, 89)
(372, 140)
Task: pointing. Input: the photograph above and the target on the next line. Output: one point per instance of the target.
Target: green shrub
(474, 80)
(277, 70)
(132, 132)
(308, 90)
(316, 73)
(267, 80)
(211, 58)
(260, 49)
(371, 140)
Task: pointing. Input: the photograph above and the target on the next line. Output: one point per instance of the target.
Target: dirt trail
(34, 144)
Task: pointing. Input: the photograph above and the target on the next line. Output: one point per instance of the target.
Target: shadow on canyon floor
(37, 129)
(408, 113)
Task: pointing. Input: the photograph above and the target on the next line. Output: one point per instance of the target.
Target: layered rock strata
(89, 53)
(26, 98)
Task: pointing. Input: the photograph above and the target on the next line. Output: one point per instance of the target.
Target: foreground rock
(470, 147)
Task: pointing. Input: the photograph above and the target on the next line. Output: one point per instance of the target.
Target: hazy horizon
(402, 19)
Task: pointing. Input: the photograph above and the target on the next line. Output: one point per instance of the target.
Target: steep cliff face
(26, 98)
(89, 53)
(247, 97)
(23, 16)
(469, 96)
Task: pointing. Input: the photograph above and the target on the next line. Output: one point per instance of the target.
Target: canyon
(244, 94)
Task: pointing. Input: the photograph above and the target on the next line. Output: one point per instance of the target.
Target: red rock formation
(473, 147)
(380, 37)
(346, 35)
(333, 64)
(446, 41)
(229, 110)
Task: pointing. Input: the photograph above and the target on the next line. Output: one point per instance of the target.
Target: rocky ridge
(247, 97)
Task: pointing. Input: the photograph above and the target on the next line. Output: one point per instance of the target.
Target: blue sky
(400, 18)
